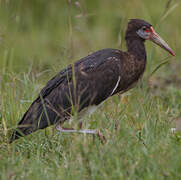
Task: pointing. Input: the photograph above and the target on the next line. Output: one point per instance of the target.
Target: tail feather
(35, 118)
(16, 135)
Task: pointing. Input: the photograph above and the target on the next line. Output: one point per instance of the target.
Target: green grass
(37, 39)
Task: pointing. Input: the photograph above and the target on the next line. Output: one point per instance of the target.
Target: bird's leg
(84, 131)
(72, 130)
(62, 129)
(80, 125)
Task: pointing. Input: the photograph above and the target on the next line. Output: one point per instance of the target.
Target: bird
(82, 86)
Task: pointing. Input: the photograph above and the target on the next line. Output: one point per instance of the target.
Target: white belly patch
(89, 110)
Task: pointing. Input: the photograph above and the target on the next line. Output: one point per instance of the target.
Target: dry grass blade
(159, 66)
(169, 11)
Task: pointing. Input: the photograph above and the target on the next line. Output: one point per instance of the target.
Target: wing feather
(93, 80)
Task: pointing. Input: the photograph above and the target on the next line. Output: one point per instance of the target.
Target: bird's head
(142, 29)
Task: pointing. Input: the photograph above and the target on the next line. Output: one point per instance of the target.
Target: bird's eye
(144, 28)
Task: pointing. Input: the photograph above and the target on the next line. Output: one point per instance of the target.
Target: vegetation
(37, 39)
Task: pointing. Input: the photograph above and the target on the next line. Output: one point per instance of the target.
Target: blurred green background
(38, 38)
(44, 33)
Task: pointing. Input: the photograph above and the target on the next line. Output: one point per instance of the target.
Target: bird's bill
(154, 37)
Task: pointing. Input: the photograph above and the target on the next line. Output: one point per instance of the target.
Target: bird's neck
(136, 47)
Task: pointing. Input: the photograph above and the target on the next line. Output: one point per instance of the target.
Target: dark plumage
(88, 82)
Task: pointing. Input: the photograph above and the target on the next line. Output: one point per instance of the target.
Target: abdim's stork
(90, 81)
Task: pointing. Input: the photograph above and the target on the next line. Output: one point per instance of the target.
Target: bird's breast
(130, 73)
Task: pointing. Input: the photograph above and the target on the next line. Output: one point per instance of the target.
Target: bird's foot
(101, 137)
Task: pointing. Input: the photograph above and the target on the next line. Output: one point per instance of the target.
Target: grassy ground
(40, 37)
